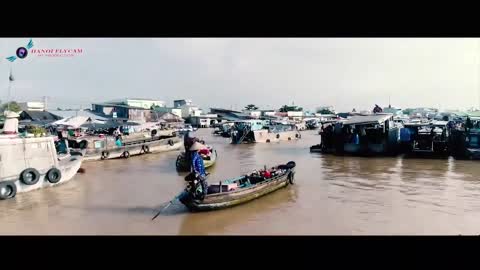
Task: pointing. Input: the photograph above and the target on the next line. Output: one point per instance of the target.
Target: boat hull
(136, 149)
(316, 148)
(263, 136)
(68, 169)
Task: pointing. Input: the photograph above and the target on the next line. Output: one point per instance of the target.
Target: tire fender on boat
(126, 154)
(30, 176)
(54, 175)
(8, 190)
(297, 135)
(146, 149)
(105, 154)
(278, 136)
(268, 140)
(170, 142)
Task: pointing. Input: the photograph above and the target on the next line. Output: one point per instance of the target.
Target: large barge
(106, 147)
(364, 135)
(262, 131)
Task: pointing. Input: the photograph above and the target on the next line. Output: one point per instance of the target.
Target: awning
(368, 119)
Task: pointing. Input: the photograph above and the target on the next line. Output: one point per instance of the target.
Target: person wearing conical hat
(11, 123)
(198, 166)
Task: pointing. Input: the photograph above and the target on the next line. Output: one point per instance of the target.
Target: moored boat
(369, 135)
(104, 147)
(425, 139)
(32, 163)
(239, 190)
(465, 144)
(254, 131)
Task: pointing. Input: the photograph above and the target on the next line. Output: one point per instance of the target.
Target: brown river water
(332, 195)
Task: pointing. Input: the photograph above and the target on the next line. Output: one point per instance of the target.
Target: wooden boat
(182, 164)
(263, 131)
(104, 147)
(237, 191)
(425, 139)
(465, 144)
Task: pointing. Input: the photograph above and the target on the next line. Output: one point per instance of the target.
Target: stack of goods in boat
(236, 191)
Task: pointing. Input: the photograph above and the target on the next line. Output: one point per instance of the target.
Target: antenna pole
(10, 79)
(45, 103)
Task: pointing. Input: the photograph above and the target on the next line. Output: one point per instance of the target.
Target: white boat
(263, 131)
(32, 163)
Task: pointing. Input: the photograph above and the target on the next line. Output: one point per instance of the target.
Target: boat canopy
(74, 121)
(426, 124)
(367, 119)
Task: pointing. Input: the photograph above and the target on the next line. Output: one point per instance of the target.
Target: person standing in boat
(468, 124)
(198, 166)
(188, 141)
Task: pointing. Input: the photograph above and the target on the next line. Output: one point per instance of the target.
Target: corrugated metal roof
(73, 121)
(367, 119)
(426, 124)
(39, 116)
(67, 114)
(120, 106)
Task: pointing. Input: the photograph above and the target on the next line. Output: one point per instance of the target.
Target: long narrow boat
(104, 147)
(239, 190)
(182, 164)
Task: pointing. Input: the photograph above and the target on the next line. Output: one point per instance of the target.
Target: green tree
(408, 111)
(286, 108)
(324, 111)
(14, 107)
(251, 107)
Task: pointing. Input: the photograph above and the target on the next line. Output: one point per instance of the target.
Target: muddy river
(332, 195)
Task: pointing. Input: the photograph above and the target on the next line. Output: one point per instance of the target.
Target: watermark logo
(22, 52)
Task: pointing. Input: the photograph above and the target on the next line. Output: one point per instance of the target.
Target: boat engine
(194, 187)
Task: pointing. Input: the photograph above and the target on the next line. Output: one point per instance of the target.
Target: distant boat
(263, 131)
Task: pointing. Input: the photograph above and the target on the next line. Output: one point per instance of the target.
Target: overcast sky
(269, 72)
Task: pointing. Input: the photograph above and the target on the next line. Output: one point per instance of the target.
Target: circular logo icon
(22, 52)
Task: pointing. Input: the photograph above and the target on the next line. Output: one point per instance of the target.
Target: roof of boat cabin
(367, 119)
(425, 124)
